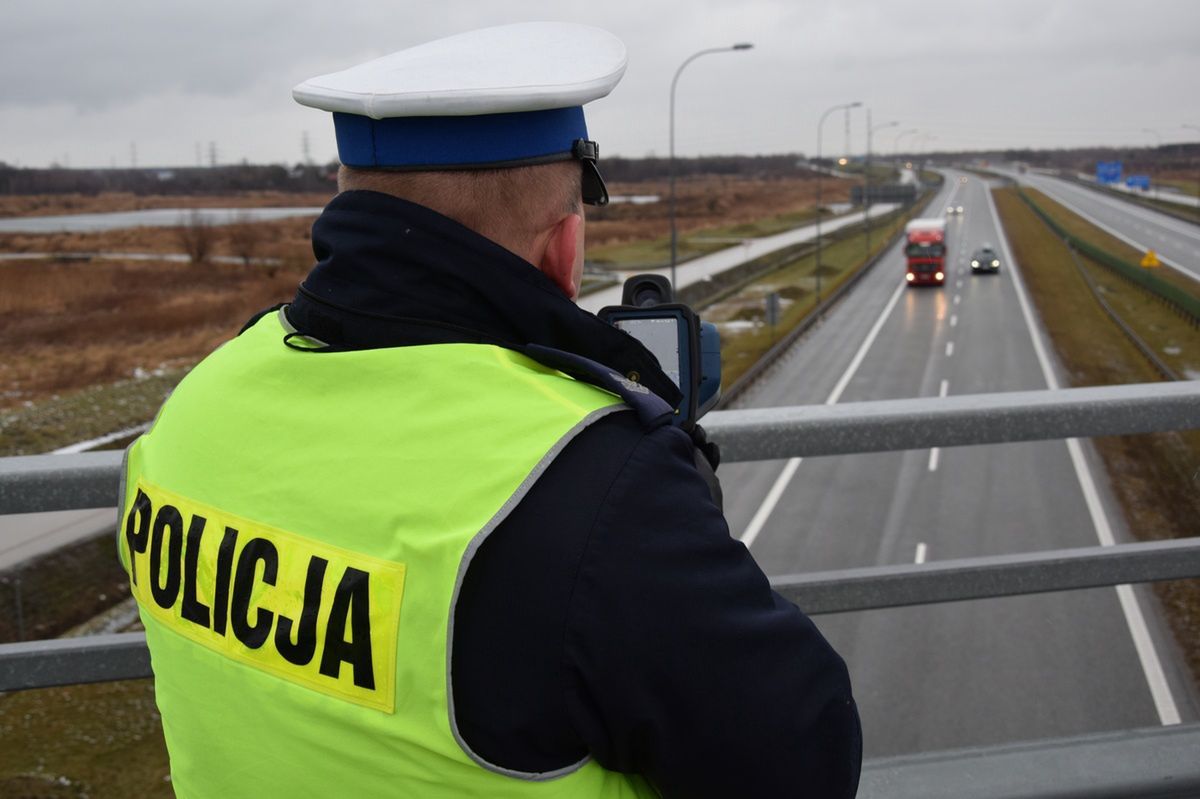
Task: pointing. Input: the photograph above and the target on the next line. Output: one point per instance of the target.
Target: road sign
(773, 308)
(1108, 171)
(1150, 260)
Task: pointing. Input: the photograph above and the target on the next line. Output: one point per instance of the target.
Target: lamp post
(1197, 129)
(899, 136)
(867, 176)
(921, 146)
(675, 80)
(821, 122)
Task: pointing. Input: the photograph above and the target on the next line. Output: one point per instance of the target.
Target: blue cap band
(457, 141)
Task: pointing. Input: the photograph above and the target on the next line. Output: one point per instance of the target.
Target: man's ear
(558, 259)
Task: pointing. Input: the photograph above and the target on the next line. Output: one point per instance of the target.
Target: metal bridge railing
(1159, 762)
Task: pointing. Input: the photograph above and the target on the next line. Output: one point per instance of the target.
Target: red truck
(925, 252)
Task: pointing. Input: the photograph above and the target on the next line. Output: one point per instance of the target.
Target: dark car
(985, 259)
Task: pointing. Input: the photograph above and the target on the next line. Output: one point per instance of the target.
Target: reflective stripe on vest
(296, 526)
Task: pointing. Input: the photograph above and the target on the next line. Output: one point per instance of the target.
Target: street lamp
(867, 176)
(675, 80)
(1197, 129)
(899, 136)
(921, 146)
(821, 122)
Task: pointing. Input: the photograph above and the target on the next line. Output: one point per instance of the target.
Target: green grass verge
(83, 415)
(1169, 334)
(96, 741)
(1155, 477)
(746, 341)
(101, 741)
(1081, 228)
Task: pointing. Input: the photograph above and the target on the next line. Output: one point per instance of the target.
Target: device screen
(661, 337)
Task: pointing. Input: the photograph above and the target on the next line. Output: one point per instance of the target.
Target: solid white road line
(1156, 679)
(789, 470)
(921, 552)
(773, 496)
(1054, 195)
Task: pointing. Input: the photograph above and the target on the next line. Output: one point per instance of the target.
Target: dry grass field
(68, 324)
(705, 203)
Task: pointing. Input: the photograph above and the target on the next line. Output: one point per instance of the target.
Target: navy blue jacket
(611, 614)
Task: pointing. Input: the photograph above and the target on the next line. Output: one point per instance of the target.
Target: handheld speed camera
(688, 349)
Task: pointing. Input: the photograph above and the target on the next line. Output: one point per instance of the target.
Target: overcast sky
(102, 82)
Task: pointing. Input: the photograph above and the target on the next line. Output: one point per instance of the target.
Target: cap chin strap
(594, 190)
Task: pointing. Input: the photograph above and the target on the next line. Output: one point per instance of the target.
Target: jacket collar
(392, 273)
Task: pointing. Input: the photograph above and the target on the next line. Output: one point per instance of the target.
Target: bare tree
(197, 237)
(245, 238)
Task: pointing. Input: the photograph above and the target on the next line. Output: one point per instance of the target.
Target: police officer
(413, 534)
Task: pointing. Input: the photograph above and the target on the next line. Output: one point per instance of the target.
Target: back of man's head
(510, 206)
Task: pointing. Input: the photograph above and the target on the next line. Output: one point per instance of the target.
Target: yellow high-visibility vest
(296, 526)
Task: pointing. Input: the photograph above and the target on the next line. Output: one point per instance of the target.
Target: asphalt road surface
(1177, 243)
(971, 673)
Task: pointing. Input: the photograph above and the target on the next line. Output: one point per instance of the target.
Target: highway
(964, 674)
(1177, 243)
(976, 673)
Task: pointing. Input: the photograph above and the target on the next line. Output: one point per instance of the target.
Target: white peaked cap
(528, 66)
(504, 96)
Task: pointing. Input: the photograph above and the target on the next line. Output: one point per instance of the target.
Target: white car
(954, 209)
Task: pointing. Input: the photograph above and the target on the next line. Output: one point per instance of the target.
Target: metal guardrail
(1161, 762)
(993, 576)
(1174, 296)
(123, 656)
(887, 425)
(1158, 762)
(89, 480)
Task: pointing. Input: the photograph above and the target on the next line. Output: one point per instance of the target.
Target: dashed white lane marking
(949, 348)
(935, 453)
(953, 320)
(958, 284)
(789, 470)
(1156, 679)
(921, 552)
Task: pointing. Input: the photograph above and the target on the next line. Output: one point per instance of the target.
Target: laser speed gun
(688, 349)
